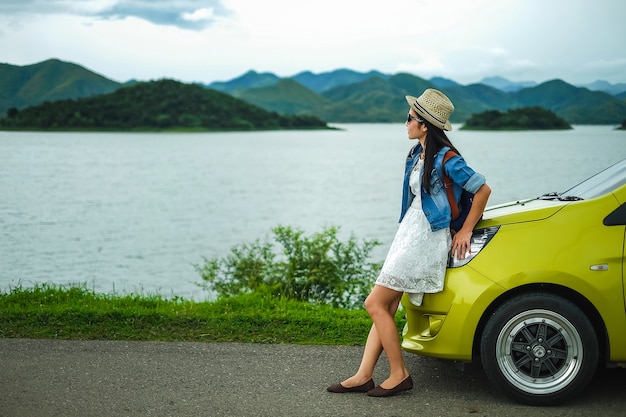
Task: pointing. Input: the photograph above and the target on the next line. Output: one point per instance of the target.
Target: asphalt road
(42, 378)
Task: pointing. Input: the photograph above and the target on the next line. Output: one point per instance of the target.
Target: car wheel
(539, 349)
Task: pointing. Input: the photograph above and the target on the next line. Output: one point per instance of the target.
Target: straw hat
(434, 106)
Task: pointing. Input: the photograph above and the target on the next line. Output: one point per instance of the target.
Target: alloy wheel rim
(539, 351)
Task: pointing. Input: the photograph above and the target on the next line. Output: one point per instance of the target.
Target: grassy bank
(77, 313)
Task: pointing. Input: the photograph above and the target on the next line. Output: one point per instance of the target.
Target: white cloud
(498, 51)
(186, 14)
(198, 15)
(578, 40)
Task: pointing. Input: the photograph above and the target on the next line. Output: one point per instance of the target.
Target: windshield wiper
(556, 196)
(549, 196)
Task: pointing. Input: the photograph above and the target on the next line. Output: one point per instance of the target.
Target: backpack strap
(447, 183)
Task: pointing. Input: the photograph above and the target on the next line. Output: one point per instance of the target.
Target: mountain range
(340, 96)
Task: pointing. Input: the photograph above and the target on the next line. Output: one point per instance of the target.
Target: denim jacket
(435, 205)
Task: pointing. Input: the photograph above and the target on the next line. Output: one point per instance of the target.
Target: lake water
(132, 212)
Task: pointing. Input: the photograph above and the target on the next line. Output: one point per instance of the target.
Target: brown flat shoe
(340, 389)
(379, 391)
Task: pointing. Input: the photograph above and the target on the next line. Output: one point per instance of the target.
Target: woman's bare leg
(374, 345)
(381, 305)
(373, 349)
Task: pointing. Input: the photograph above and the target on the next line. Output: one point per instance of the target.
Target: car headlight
(479, 240)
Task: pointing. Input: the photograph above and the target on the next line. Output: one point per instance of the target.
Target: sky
(578, 41)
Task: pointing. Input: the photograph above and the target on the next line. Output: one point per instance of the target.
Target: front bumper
(444, 326)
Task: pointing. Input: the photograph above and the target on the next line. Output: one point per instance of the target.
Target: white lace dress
(416, 261)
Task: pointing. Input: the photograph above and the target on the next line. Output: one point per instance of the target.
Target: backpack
(460, 210)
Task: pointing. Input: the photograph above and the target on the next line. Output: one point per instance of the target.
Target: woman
(417, 259)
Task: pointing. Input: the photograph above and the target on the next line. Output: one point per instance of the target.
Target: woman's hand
(461, 245)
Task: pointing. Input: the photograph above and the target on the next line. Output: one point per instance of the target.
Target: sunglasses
(409, 118)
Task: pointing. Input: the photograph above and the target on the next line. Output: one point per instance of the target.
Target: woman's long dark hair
(435, 140)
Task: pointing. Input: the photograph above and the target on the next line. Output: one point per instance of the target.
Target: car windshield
(601, 183)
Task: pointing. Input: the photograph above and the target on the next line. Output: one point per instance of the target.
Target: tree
(522, 118)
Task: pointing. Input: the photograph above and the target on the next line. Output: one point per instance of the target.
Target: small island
(526, 118)
(623, 126)
(164, 105)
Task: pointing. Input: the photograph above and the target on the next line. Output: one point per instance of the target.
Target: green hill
(285, 96)
(22, 86)
(476, 98)
(374, 100)
(381, 100)
(341, 96)
(155, 105)
(250, 79)
(329, 80)
(527, 118)
(576, 105)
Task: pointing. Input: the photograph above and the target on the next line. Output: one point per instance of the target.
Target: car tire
(539, 349)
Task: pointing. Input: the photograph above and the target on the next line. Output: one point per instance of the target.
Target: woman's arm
(461, 240)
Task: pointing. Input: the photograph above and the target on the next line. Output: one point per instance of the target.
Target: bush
(318, 269)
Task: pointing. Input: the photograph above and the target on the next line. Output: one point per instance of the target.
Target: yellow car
(541, 299)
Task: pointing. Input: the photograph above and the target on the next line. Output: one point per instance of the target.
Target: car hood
(521, 211)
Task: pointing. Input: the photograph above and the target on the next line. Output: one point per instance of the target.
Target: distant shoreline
(152, 130)
(510, 129)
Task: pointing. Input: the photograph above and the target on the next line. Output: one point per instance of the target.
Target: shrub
(319, 269)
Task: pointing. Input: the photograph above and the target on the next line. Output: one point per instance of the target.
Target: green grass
(49, 311)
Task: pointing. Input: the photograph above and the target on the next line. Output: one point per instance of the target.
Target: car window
(599, 184)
